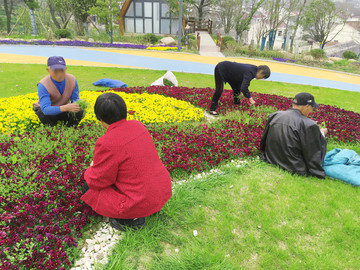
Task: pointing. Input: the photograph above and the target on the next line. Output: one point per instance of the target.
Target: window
(130, 11)
(148, 9)
(150, 16)
(148, 25)
(165, 11)
(129, 25)
(139, 24)
(138, 9)
(174, 26)
(156, 18)
(165, 26)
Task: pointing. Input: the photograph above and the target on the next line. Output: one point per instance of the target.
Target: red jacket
(127, 179)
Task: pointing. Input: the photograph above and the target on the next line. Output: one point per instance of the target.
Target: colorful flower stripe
(85, 44)
(16, 113)
(157, 48)
(283, 60)
(343, 125)
(41, 215)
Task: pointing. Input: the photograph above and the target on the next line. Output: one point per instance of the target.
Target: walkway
(179, 62)
(208, 46)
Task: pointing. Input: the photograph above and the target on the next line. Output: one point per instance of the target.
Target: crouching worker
(126, 180)
(293, 141)
(57, 92)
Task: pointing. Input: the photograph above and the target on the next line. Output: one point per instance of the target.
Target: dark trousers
(219, 88)
(70, 119)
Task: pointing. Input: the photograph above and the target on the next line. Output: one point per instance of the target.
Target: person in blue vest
(239, 77)
(57, 92)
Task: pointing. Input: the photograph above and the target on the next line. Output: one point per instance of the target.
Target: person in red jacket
(126, 180)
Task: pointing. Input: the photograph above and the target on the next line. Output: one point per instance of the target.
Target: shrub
(317, 53)
(350, 55)
(62, 33)
(229, 42)
(151, 38)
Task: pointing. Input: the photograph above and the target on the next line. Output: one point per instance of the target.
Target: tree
(297, 23)
(81, 10)
(61, 9)
(227, 12)
(9, 7)
(32, 5)
(201, 6)
(320, 19)
(276, 9)
(106, 11)
(243, 19)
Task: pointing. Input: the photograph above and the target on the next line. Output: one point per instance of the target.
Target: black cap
(305, 99)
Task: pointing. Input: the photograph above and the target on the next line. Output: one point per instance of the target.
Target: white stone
(65, 39)
(90, 40)
(97, 248)
(195, 232)
(168, 41)
(308, 58)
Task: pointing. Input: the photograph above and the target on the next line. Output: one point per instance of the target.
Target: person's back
(126, 180)
(294, 142)
(141, 177)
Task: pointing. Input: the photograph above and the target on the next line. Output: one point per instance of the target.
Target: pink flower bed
(42, 217)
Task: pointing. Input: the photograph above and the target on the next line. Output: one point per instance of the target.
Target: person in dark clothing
(239, 77)
(293, 141)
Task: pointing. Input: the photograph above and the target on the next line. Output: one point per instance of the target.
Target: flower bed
(16, 113)
(87, 44)
(283, 60)
(41, 216)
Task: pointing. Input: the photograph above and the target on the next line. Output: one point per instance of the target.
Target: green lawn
(255, 216)
(23, 79)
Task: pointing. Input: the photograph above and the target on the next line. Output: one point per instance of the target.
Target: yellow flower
(17, 114)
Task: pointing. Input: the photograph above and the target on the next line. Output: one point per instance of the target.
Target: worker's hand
(251, 101)
(324, 130)
(92, 163)
(70, 108)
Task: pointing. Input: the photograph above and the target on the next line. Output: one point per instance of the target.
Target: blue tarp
(343, 164)
(110, 83)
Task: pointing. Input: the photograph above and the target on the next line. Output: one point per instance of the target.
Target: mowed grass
(251, 217)
(18, 79)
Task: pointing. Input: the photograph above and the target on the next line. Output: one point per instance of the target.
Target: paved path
(180, 62)
(208, 46)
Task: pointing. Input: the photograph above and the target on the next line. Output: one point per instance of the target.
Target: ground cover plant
(87, 44)
(42, 215)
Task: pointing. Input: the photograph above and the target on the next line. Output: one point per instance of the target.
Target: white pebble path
(99, 248)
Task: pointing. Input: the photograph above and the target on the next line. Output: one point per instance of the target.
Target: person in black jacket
(293, 141)
(239, 77)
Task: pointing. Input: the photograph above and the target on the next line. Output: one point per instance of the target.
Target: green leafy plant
(166, 82)
(350, 55)
(83, 104)
(317, 53)
(62, 33)
(151, 38)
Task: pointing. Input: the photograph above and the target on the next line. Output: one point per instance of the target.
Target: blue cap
(56, 62)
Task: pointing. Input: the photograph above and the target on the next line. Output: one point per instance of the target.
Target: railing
(219, 41)
(203, 25)
(198, 41)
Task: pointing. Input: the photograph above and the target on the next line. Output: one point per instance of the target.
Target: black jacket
(238, 75)
(294, 142)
